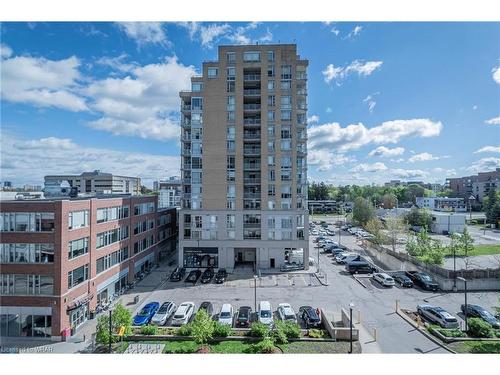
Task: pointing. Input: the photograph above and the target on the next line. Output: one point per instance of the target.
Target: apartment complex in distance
(244, 160)
(59, 258)
(95, 182)
(442, 204)
(169, 192)
(478, 185)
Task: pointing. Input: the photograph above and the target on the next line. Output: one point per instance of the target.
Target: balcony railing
(251, 151)
(251, 121)
(251, 92)
(251, 204)
(251, 225)
(251, 77)
(251, 135)
(251, 107)
(252, 180)
(251, 166)
(186, 107)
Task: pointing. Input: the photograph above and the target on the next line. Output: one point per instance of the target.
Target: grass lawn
(305, 347)
(491, 347)
(487, 250)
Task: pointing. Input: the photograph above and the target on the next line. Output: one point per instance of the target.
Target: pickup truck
(422, 280)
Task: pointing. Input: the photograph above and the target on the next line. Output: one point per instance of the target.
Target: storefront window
(15, 325)
(195, 257)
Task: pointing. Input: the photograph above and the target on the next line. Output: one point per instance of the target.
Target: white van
(265, 313)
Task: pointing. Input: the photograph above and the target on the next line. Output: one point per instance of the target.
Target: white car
(164, 312)
(384, 279)
(438, 315)
(226, 314)
(286, 313)
(184, 312)
(265, 313)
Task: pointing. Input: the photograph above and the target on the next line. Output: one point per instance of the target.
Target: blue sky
(386, 101)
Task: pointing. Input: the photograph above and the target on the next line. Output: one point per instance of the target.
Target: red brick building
(59, 258)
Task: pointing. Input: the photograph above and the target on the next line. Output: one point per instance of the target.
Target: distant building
(169, 192)
(95, 182)
(7, 185)
(447, 223)
(442, 204)
(478, 185)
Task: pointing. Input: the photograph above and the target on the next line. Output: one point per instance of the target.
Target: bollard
(397, 305)
(419, 321)
(375, 334)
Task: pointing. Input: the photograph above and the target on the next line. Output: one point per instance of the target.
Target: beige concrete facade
(254, 103)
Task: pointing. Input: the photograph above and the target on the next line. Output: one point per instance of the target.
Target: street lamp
(471, 199)
(466, 308)
(351, 306)
(110, 332)
(255, 291)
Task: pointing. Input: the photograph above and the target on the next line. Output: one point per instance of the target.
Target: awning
(82, 301)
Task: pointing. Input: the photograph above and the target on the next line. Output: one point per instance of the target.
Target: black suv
(309, 316)
(193, 276)
(207, 276)
(422, 280)
(177, 274)
(243, 316)
(402, 279)
(476, 311)
(221, 276)
(208, 307)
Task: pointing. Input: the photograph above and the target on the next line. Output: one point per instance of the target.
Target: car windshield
(178, 316)
(265, 314)
(163, 309)
(450, 320)
(144, 312)
(225, 314)
(426, 278)
(486, 314)
(290, 317)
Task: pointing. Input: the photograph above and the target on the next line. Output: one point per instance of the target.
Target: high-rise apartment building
(244, 160)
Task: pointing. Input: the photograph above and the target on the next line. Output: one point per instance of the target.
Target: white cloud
(325, 160)
(339, 74)
(335, 31)
(484, 165)
(424, 156)
(370, 100)
(494, 149)
(400, 160)
(444, 172)
(42, 82)
(144, 103)
(145, 32)
(496, 74)
(355, 32)
(352, 137)
(192, 27)
(375, 167)
(116, 63)
(328, 110)
(474, 107)
(211, 32)
(5, 51)
(62, 156)
(409, 173)
(267, 37)
(312, 119)
(493, 121)
(385, 152)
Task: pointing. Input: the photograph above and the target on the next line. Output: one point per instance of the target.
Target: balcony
(251, 121)
(251, 181)
(251, 92)
(186, 107)
(251, 151)
(251, 136)
(186, 152)
(251, 107)
(186, 166)
(301, 75)
(251, 204)
(251, 77)
(251, 225)
(251, 166)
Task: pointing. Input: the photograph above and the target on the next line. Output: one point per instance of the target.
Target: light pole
(110, 332)
(255, 291)
(471, 199)
(466, 308)
(351, 306)
(454, 266)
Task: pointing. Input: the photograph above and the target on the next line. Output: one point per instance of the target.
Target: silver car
(438, 315)
(285, 312)
(164, 313)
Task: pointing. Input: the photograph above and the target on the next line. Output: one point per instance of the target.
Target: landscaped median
(479, 338)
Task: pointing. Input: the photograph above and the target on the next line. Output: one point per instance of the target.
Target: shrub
(202, 328)
(450, 332)
(221, 330)
(258, 330)
(316, 333)
(279, 334)
(479, 328)
(149, 330)
(264, 346)
(486, 347)
(185, 330)
(292, 330)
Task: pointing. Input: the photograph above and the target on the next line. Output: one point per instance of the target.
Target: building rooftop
(79, 198)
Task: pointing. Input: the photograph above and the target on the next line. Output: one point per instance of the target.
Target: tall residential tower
(244, 160)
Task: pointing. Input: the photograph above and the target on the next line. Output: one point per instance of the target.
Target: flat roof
(82, 198)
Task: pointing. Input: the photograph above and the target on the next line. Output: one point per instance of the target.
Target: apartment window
(231, 78)
(270, 55)
(78, 276)
(251, 56)
(286, 85)
(286, 145)
(286, 115)
(196, 86)
(111, 236)
(271, 175)
(286, 102)
(196, 118)
(78, 247)
(231, 204)
(230, 86)
(286, 204)
(196, 104)
(144, 208)
(301, 118)
(196, 163)
(230, 162)
(270, 115)
(231, 72)
(144, 244)
(230, 221)
(271, 205)
(286, 175)
(231, 191)
(230, 57)
(286, 72)
(26, 285)
(231, 146)
(27, 222)
(26, 253)
(212, 72)
(231, 103)
(286, 191)
(270, 85)
(231, 116)
(270, 146)
(270, 70)
(271, 190)
(271, 100)
(112, 213)
(270, 131)
(110, 260)
(78, 219)
(271, 161)
(231, 132)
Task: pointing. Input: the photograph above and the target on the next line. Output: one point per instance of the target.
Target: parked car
(221, 275)
(183, 314)
(309, 316)
(208, 307)
(330, 232)
(383, 279)
(291, 267)
(438, 315)
(319, 238)
(144, 316)
(476, 311)
(356, 266)
(285, 312)
(345, 258)
(265, 313)
(178, 274)
(164, 312)
(402, 279)
(193, 276)
(243, 316)
(226, 314)
(423, 280)
(207, 275)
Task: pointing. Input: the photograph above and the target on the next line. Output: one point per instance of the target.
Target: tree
(374, 226)
(425, 248)
(120, 317)
(202, 328)
(362, 211)
(419, 217)
(492, 207)
(389, 200)
(413, 191)
(396, 227)
(463, 245)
